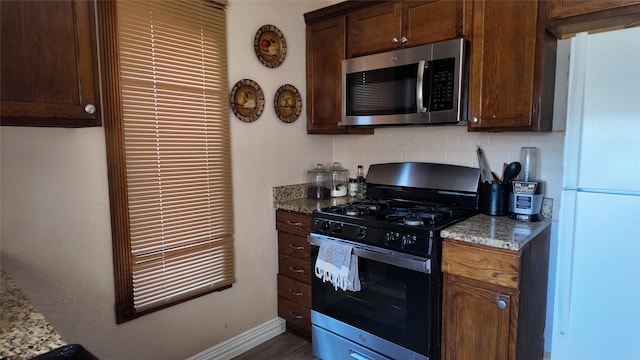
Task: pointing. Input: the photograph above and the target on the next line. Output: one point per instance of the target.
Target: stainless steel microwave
(420, 85)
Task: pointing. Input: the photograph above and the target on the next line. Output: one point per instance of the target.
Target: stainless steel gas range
(395, 235)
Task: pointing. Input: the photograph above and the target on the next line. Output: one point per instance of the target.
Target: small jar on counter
(339, 180)
(318, 183)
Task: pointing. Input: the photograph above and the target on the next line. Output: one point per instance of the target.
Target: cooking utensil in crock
(511, 171)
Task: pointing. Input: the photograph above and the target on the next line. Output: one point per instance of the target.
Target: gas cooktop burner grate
(394, 212)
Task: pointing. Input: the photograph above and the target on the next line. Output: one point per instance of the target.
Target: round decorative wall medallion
(247, 100)
(287, 103)
(270, 46)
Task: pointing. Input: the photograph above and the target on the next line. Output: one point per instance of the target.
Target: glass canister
(318, 183)
(339, 180)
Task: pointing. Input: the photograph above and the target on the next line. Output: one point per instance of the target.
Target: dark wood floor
(285, 346)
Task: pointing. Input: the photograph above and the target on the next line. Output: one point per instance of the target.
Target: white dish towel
(337, 263)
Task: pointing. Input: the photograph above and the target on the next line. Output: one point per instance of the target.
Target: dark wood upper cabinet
(325, 48)
(49, 65)
(390, 25)
(568, 17)
(512, 71)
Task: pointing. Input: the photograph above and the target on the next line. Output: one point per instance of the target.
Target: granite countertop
(24, 332)
(495, 231)
(294, 198)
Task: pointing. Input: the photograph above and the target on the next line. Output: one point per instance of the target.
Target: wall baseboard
(241, 343)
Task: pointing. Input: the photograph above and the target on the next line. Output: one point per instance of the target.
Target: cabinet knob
(90, 109)
(474, 120)
(395, 40)
(502, 304)
(403, 40)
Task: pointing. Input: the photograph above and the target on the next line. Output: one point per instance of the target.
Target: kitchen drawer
(491, 265)
(297, 317)
(296, 291)
(293, 223)
(294, 246)
(294, 268)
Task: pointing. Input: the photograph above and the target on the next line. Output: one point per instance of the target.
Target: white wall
(55, 226)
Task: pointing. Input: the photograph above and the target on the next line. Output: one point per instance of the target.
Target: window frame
(116, 169)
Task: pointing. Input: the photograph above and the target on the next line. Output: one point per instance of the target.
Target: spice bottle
(354, 187)
(362, 184)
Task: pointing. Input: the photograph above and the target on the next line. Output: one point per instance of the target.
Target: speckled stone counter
(24, 332)
(495, 231)
(294, 198)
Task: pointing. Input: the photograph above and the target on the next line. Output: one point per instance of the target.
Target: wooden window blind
(169, 145)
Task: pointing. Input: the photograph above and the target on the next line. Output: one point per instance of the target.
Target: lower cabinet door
(298, 317)
(295, 268)
(295, 291)
(475, 321)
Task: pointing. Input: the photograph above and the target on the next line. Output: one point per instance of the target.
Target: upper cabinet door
(374, 29)
(568, 17)
(395, 24)
(512, 60)
(49, 64)
(425, 22)
(567, 8)
(325, 52)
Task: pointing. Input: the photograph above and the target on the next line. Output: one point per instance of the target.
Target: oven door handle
(422, 265)
(381, 255)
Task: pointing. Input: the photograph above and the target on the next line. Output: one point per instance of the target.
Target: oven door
(398, 300)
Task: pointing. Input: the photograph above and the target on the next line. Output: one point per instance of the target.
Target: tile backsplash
(454, 145)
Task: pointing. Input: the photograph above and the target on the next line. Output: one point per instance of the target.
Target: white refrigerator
(597, 294)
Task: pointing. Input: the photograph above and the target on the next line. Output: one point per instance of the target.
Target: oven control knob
(325, 226)
(336, 227)
(361, 233)
(408, 241)
(390, 238)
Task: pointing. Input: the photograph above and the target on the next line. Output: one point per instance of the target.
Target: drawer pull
(297, 317)
(294, 223)
(295, 293)
(294, 247)
(299, 271)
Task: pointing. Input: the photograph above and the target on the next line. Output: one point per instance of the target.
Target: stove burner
(413, 220)
(405, 213)
(351, 212)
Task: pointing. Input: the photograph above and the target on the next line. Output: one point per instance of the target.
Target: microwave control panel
(442, 84)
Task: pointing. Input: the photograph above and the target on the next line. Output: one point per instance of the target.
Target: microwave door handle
(419, 86)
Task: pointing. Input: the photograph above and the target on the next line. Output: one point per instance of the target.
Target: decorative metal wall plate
(287, 103)
(247, 100)
(270, 46)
